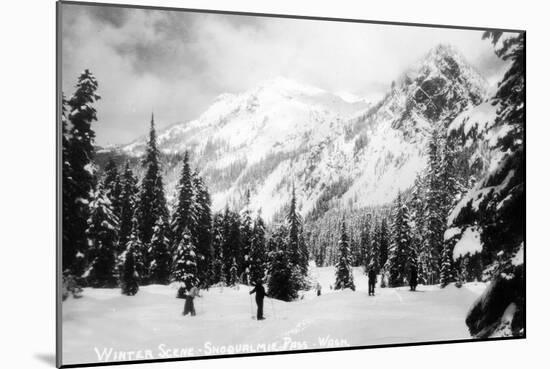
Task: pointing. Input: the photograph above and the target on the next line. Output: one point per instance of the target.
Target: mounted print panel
(245, 184)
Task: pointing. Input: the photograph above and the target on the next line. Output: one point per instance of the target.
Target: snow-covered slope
(336, 151)
(104, 325)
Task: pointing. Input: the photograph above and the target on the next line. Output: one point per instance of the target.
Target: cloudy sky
(176, 63)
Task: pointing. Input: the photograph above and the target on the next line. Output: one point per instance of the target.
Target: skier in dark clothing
(260, 294)
(189, 296)
(372, 281)
(414, 279)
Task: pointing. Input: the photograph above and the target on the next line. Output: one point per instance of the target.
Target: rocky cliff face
(336, 153)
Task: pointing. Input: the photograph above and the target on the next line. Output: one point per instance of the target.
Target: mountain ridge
(336, 153)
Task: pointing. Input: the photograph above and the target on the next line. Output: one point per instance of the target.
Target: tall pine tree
(434, 212)
(160, 255)
(184, 267)
(246, 236)
(102, 238)
(184, 217)
(152, 201)
(203, 229)
(112, 185)
(296, 245)
(496, 205)
(344, 271)
(128, 196)
(284, 278)
(258, 255)
(78, 182)
(400, 244)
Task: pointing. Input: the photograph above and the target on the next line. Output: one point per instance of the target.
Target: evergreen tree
(258, 252)
(366, 255)
(446, 275)
(375, 252)
(184, 216)
(400, 244)
(218, 267)
(184, 267)
(384, 241)
(434, 210)
(78, 175)
(128, 195)
(203, 229)
(112, 185)
(296, 247)
(129, 277)
(246, 236)
(344, 271)
(499, 215)
(284, 278)
(233, 274)
(231, 239)
(159, 253)
(138, 249)
(152, 202)
(102, 234)
(412, 260)
(419, 258)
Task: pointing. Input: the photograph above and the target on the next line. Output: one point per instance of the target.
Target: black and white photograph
(244, 184)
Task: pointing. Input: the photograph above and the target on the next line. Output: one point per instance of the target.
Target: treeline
(118, 230)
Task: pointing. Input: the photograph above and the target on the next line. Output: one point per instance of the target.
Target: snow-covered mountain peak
(338, 150)
(285, 85)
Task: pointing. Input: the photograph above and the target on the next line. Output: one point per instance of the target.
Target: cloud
(177, 63)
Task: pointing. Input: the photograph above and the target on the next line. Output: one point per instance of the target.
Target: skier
(260, 293)
(318, 288)
(189, 307)
(372, 281)
(414, 279)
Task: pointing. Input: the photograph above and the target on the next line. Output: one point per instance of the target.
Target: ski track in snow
(104, 319)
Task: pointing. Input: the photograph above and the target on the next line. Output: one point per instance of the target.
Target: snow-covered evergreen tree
(344, 271)
(368, 258)
(79, 180)
(138, 249)
(233, 274)
(246, 237)
(159, 254)
(418, 257)
(231, 241)
(218, 267)
(184, 217)
(284, 278)
(128, 195)
(376, 246)
(400, 244)
(296, 246)
(495, 208)
(152, 201)
(184, 266)
(434, 212)
(203, 229)
(446, 275)
(384, 242)
(258, 256)
(112, 185)
(102, 240)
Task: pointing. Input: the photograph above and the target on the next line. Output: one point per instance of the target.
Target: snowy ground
(104, 325)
